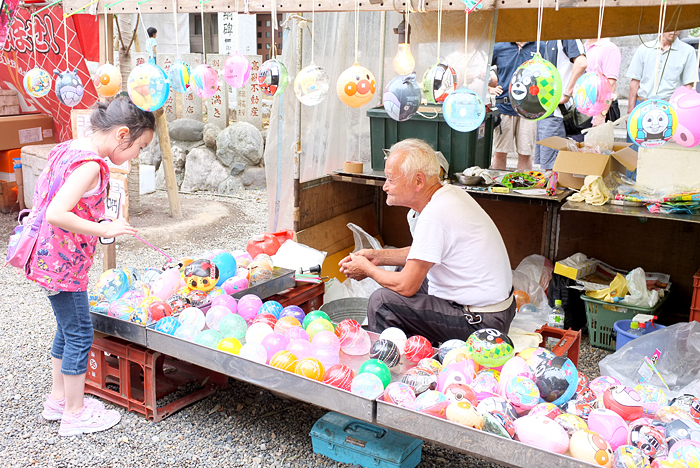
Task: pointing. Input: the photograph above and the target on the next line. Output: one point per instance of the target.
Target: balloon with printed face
(438, 82)
(463, 110)
(273, 77)
(148, 87)
(37, 82)
(535, 88)
(490, 347)
(179, 76)
(356, 86)
(69, 87)
(652, 123)
(402, 97)
(107, 80)
(311, 85)
(237, 70)
(204, 81)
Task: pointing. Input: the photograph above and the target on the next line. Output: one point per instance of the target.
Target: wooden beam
(106, 37)
(109, 256)
(333, 235)
(168, 165)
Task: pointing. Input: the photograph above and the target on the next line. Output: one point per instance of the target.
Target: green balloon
(535, 88)
(209, 338)
(233, 326)
(316, 314)
(378, 368)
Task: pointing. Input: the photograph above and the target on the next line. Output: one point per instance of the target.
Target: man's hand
(356, 266)
(370, 254)
(598, 120)
(564, 99)
(495, 90)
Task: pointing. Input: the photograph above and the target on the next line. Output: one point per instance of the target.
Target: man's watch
(604, 113)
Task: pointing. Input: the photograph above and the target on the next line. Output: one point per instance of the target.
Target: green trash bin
(462, 150)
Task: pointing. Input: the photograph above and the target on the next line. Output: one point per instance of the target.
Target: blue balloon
(271, 307)
(463, 110)
(226, 264)
(167, 325)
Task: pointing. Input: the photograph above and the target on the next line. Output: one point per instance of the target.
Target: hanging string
(107, 39)
(143, 24)
(662, 23)
(273, 26)
(313, 28)
(65, 38)
(204, 42)
(177, 36)
(236, 23)
(357, 25)
(466, 42)
(540, 15)
(601, 11)
(408, 21)
(439, 28)
(697, 65)
(34, 40)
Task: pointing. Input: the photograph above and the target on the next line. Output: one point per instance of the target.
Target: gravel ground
(241, 426)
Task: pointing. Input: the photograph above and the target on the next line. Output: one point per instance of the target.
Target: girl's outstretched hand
(117, 228)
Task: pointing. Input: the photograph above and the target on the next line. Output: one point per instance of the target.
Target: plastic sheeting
(332, 132)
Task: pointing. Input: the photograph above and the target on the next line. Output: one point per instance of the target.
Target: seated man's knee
(379, 298)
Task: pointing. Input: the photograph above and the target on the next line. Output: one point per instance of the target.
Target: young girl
(66, 246)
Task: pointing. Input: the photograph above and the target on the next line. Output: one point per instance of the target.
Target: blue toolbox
(349, 440)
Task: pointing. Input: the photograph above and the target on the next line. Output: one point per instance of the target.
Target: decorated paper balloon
(107, 80)
(209, 338)
(686, 103)
(214, 316)
(37, 82)
(439, 81)
(652, 123)
(194, 317)
(313, 315)
(311, 85)
(296, 333)
(256, 332)
(179, 76)
(271, 307)
(463, 110)
(254, 352)
(266, 318)
(402, 97)
(590, 447)
(300, 348)
(433, 403)
(367, 386)
(326, 338)
(535, 88)
(592, 93)
(273, 342)
(227, 301)
(328, 355)
(148, 87)
(237, 70)
(378, 368)
(498, 423)
(386, 351)
(204, 81)
(464, 413)
(339, 376)
(542, 432)
(235, 284)
(69, 87)
(273, 77)
(417, 347)
(167, 325)
(356, 86)
(354, 340)
(284, 324)
(395, 335)
(309, 367)
(186, 332)
(229, 345)
(490, 347)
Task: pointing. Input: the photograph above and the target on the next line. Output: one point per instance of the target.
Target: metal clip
(471, 317)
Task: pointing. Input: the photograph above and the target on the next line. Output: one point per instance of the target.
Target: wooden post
(168, 165)
(109, 260)
(106, 39)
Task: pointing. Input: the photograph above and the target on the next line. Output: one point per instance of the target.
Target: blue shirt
(507, 57)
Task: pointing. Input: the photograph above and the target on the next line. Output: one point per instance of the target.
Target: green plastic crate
(601, 317)
(462, 150)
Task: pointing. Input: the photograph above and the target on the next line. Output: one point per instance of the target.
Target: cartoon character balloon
(652, 123)
(201, 275)
(592, 93)
(69, 87)
(237, 70)
(535, 88)
(463, 110)
(179, 76)
(438, 82)
(311, 85)
(204, 81)
(273, 77)
(402, 97)
(686, 103)
(107, 80)
(148, 87)
(37, 82)
(356, 86)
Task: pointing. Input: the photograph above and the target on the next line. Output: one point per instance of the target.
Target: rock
(237, 168)
(254, 178)
(186, 145)
(186, 129)
(231, 185)
(203, 171)
(150, 155)
(179, 158)
(266, 108)
(209, 135)
(160, 178)
(240, 142)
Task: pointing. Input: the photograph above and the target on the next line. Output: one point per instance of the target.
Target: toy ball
(253, 352)
(157, 310)
(237, 283)
(515, 366)
(285, 360)
(95, 298)
(101, 307)
(229, 345)
(186, 332)
(133, 297)
(649, 439)
(107, 80)
(248, 311)
(489, 347)
(367, 386)
(284, 324)
(300, 348)
(583, 381)
(266, 318)
(534, 356)
(138, 315)
(601, 384)
(535, 89)
(216, 292)
(257, 331)
(237, 70)
(456, 373)
(309, 367)
(296, 333)
(521, 298)
(204, 81)
(590, 447)
(418, 347)
(178, 303)
(226, 265)
(448, 346)
(378, 368)
(273, 78)
(313, 315)
(399, 394)
(577, 408)
(233, 326)
(271, 307)
(485, 385)
(148, 87)
(624, 401)
(527, 309)
(150, 275)
(438, 82)
(356, 86)
(252, 300)
(243, 258)
(326, 338)
(395, 335)
(686, 103)
(498, 423)
(652, 123)
(339, 376)
(592, 93)
(386, 351)
(464, 413)
(490, 404)
(549, 410)
(311, 85)
(293, 311)
(265, 259)
(419, 379)
(463, 110)
(433, 403)
(201, 275)
(37, 82)
(198, 298)
(402, 97)
(167, 325)
(609, 425)
(686, 451)
(522, 393)
(327, 355)
(193, 316)
(627, 456)
(320, 325)
(209, 338)
(69, 88)
(542, 432)
(688, 403)
(571, 423)
(179, 76)
(556, 379)
(457, 355)
(681, 429)
(259, 272)
(272, 342)
(666, 414)
(354, 340)
(225, 300)
(214, 316)
(652, 397)
(111, 285)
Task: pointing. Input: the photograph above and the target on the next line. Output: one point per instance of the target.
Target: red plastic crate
(308, 296)
(133, 377)
(569, 341)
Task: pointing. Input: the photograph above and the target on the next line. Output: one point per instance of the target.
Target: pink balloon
(226, 301)
(236, 70)
(166, 284)
(204, 81)
(300, 348)
(296, 333)
(273, 343)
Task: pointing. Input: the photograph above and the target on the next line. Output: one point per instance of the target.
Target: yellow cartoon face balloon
(356, 86)
(107, 80)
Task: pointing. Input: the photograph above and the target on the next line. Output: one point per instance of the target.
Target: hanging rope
(439, 29)
(107, 39)
(601, 10)
(65, 38)
(697, 65)
(313, 29)
(408, 21)
(145, 31)
(204, 43)
(357, 25)
(177, 42)
(662, 22)
(236, 25)
(273, 28)
(540, 15)
(34, 41)
(466, 42)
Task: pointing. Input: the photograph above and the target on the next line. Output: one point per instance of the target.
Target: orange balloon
(310, 367)
(356, 86)
(285, 360)
(521, 298)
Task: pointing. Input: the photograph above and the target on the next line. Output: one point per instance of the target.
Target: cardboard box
(28, 129)
(574, 166)
(573, 272)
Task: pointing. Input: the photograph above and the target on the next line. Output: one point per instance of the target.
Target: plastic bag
(639, 295)
(526, 320)
(679, 363)
(537, 268)
(293, 256)
(367, 286)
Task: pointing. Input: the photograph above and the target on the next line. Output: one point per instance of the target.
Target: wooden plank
(168, 165)
(109, 257)
(333, 235)
(324, 201)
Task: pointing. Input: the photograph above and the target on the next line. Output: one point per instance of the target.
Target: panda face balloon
(652, 123)
(37, 82)
(356, 86)
(69, 88)
(402, 97)
(273, 77)
(535, 88)
(438, 82)
(107, 80)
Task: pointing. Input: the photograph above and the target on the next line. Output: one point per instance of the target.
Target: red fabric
(88, 30)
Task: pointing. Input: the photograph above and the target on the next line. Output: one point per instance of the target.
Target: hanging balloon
(148, 87)
(273, 78)
(463, 110)
(69, 87)
(356, 86)
(438, 82)
(107, 80)
(686, 103)
(204, 81)
(535, 88)
(652, 123)
(592, 93)
(37, 82)
(179, 76)
(236, 70)
(402, 97)
(311, 85)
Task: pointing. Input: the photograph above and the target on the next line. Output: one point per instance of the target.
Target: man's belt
(499, 307)
(503, 100)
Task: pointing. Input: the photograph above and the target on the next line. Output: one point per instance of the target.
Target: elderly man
(455, 277)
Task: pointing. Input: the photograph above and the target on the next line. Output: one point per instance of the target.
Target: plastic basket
(601, 317)
(624, 336)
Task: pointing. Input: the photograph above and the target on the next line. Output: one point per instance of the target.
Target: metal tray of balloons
(282, 279)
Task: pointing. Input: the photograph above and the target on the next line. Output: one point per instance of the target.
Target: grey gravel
(231, 428)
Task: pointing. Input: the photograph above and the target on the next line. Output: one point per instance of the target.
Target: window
(197, 25)
(267, 23)
(267, 34)
(259, 23)
(259, 35)
(267, 46)
(259, 46)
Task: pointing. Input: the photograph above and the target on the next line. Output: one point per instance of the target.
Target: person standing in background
(605, 57)
(151, 44)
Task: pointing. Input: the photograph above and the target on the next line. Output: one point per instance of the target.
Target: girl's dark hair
(121, 112)
(151, 31)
